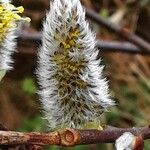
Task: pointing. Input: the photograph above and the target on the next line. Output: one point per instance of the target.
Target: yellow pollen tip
(28, 19)
(1, 25)
(9, 16)
(20, 9)
(67, 46)
(1, 9)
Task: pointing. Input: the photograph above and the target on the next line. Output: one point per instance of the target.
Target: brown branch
(20, 147)
(131, 37)
(105, 46)
(115, 46)
(70, 137)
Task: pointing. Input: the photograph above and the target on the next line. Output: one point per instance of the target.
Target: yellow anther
(1, 9)
(9, 16)
(75, 33)
(1, 25)
(67, 46)
(20, 9)
(71, 42)
(28, 19)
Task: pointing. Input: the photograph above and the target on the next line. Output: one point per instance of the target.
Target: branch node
(70, 137)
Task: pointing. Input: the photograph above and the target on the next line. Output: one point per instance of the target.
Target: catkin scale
(72, 89)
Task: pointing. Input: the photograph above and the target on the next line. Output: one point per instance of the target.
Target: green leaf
(33, 124)
(28, 86)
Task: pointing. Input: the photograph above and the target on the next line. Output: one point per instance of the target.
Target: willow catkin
(9, 18)
(72, 89)
(127, 141)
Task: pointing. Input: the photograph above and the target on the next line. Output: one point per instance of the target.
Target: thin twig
(2, 127)
(131, 37)
(123, 47)
(105, 46)
(69, 137)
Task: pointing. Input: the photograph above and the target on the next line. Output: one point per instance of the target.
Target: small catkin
(125, 142)
(9, 18)
(72, 91)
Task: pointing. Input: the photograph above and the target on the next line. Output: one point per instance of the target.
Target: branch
(131, 37)
(105, 46)
(20, 147)
(124, 47)
(70, 137)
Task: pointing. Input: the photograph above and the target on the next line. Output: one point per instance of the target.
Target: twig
(115, 46)
(131, 37)
(33, 37)
(105, 46)
(2, 127)
(20, 147)
(69, 137)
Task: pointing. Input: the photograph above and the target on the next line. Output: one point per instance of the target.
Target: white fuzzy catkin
(9, 21)
(7, 48)
(72, 89)
(125, 141)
